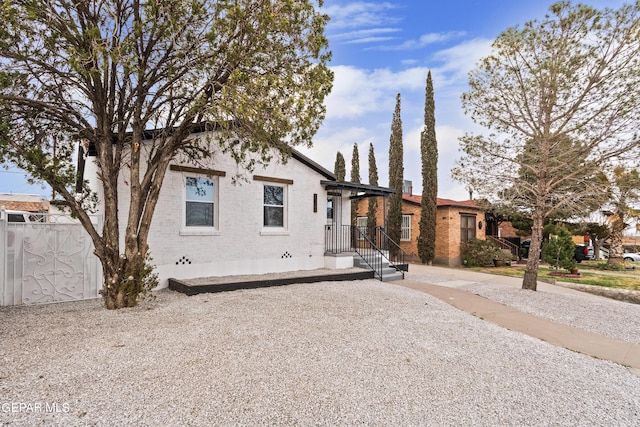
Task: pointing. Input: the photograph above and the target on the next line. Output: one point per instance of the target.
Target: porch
(372, 249)
(253, 281)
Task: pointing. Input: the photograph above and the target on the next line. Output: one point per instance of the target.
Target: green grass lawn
(618, 279)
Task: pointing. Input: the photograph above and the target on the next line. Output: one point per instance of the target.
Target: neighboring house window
(274, 206)
(362, 226)
(199, 201)
(406, 228)
(467, 227)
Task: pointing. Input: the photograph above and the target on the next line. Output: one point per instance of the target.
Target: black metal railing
(368, 251)
(373, 245)
(396, 253)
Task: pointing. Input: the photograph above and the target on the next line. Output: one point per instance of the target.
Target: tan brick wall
(448, 249)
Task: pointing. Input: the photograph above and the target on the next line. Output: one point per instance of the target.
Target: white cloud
(360, 14)
(359, 34)
(409, 62)
(357, 92)
(424, 40)
(458, 60)
(364, 40)
(360, 108)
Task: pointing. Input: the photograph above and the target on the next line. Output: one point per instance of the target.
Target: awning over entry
(360, 190)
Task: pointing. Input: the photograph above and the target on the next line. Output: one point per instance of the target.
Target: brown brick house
(457, 221)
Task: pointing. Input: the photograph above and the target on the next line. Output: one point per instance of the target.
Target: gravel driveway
(330, 353)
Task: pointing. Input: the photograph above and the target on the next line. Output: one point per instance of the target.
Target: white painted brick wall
(240, 245)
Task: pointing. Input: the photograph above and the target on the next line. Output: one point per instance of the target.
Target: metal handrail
(370, 253)
(504, 244)
(396, 253)
(348, 238)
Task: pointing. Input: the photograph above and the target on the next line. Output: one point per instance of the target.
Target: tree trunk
(530, 280)
(125, 279)
(616, 250)
(596, 248)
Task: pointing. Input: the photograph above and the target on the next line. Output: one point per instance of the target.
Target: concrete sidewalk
(581, 341)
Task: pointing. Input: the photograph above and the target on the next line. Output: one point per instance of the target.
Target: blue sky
(381, 48)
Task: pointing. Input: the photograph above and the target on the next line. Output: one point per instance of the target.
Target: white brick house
(207, 225)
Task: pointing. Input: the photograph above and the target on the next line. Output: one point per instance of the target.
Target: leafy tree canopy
(108, 72)
(559, 99)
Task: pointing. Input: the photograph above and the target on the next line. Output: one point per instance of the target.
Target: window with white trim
(406, 228)
(200, 201)
(362, 226)
(274, 206)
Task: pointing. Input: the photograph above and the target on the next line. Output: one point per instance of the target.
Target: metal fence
(45, 262)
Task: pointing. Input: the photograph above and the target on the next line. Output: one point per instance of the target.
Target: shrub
(559, 251)
(481, 253)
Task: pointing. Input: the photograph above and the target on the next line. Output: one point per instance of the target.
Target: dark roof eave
(368, 190)
(312, 165)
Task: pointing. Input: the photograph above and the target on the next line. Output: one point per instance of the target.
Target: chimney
(407, 187)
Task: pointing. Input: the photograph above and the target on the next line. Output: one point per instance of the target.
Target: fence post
(3, 255)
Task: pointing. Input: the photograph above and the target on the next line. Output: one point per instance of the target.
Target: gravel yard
(330, 353)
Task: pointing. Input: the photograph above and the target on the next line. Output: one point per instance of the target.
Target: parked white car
(635, 257)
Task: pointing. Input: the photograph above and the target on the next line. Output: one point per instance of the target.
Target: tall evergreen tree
(429, 153)
(396, 171)
(355, 178)
(373, 180)
(559, 100)
(339, 168)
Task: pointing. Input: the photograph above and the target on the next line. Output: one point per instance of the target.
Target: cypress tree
(429, 153)
(396, 171)
(373, 180)
(339, 168)
(355, 178)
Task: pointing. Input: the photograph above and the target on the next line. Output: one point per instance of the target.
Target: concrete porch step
(389, 273)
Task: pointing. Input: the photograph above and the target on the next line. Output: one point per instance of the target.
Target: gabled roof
(206, 127)
(443, 202)
(313, 165)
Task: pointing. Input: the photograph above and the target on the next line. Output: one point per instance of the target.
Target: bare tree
(133, 80)
(559, 98)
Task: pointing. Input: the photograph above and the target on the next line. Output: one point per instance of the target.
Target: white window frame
(405, 234)
(361, 223)
(200, 229)
(285, 208)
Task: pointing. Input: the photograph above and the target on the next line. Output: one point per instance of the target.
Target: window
(330, 208)
(467, 227)
(199, 201)
(362, 226)
(274, 203)
(406, 228)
